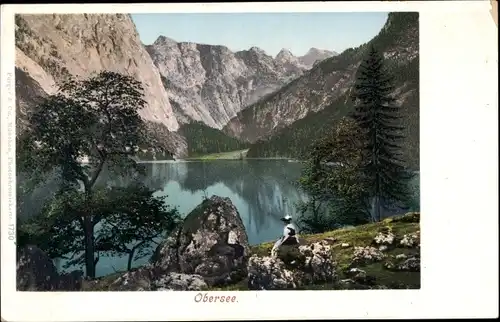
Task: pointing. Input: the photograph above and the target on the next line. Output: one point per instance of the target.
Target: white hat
(287, 217)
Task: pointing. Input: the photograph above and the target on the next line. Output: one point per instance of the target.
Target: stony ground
(378, 273)
(383, 255)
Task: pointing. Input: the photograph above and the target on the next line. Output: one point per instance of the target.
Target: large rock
(294, 267)
(180, 282)
(36, 272)
(212, 242)
(403, 262)
(366, 255)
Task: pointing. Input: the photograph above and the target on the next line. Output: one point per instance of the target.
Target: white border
(459, 184)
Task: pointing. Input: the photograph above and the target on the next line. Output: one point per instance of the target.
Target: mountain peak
(257, 50)
(317, 51)
(164, 40)
(314, 54)
(284, 53)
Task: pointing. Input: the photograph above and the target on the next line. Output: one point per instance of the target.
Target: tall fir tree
(381, 122)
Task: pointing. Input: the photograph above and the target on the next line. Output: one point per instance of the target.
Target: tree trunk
(89, 246)
(130, 258)
(377, 208)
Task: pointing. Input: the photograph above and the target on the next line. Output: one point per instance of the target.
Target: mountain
(51, 46)
(306, 62)
(211, 84)
(287, 121)
(315, 55)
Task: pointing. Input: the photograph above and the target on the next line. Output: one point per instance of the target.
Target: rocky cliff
(50, 46)
(212, 84)
(325, 88)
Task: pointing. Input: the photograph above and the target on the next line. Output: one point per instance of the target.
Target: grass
(357, 236)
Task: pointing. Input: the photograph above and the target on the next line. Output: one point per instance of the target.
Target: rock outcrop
(35, 271)
(294, 267)
(212, 242)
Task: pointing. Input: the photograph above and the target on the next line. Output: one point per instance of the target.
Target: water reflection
(261, 190)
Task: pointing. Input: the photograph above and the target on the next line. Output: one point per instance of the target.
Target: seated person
(290, 235)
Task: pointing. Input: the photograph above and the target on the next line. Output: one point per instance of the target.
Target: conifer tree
(381, 122)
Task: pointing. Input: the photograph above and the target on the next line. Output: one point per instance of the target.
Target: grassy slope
(358, 236)
(231, 155)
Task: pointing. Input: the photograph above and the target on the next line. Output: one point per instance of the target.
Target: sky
(297, 32)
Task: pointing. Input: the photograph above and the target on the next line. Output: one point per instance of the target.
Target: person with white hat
(290, 235)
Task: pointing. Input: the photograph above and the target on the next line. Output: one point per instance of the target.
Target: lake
(261, 190)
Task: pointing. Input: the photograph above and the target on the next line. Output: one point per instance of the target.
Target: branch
(97, 259)
(138, 245)
(154, 241)
(74, 253)
(96, 174)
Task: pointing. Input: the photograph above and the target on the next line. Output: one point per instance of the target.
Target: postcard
(177, 161)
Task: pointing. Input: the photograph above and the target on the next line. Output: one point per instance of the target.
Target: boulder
(269, 273)
(211, 242)
(180, 282)
(295, 266)
(359, 276)
(402, 262)
(384, 237)
(35, 270)
(410, 240)
(411, 264)
(71, 281)
(140, 279)
(366, 255)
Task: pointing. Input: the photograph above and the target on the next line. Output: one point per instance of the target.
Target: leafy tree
(132, 220)
(334, 182)
(380, 121)
(95, 118)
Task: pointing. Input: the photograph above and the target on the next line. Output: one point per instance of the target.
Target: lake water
(261, 190)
